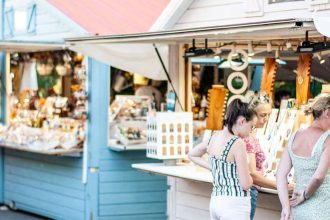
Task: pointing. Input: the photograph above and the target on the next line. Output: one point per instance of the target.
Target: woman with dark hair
(228, 163)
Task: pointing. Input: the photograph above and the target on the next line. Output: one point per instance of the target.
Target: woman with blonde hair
(260, 102)
(308, 152)
(228, 162)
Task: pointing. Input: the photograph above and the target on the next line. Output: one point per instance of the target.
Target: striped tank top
(225, 176)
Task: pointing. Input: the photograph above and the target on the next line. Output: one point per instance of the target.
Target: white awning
(135, 58)
(135, 52)
(25, 47)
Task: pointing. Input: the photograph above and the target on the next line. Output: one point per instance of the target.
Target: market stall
(56, 157)
(190, 187)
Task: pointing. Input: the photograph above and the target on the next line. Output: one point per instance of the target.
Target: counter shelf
(184, 171)
(73, 152)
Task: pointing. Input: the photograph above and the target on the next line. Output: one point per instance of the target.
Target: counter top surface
(185, 171)
(58, 152)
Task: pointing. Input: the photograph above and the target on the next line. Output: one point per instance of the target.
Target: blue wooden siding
(2, 118)
(46, 185)
(126, 193)
(122, 193)
(256, 81)
(1, 176)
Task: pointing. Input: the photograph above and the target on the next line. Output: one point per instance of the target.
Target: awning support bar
(168, 76)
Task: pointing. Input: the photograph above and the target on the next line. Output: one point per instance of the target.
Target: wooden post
(98, 103)
(216, 106)
(268, 76)
(303, 78)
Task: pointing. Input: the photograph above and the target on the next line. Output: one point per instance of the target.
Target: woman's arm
(281, 178)
(195, 155)
(317, 178)
(258, 178)
(242, 164)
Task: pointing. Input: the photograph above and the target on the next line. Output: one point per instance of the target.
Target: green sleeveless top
(317, 207)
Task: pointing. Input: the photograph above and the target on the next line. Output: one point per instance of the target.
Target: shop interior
(47, 102)
(221, 71)
(132, 96)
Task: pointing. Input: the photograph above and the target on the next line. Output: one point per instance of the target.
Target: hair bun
(308, 109)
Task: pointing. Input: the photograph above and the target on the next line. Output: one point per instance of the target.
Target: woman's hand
(286, 214)
(297, 199)
(290, 187)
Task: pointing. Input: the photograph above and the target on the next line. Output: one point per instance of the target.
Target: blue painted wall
(117, 191)
(2, 100)
(2, 119)
(98, 89)
(46, 185)
(126, 193)
(256, 81)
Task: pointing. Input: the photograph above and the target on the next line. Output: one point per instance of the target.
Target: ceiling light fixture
(288, 45)
(194, 52)
(277, 55)
(218, 51)
(269, 47)
(233, 50)
(250, 49)
(321, 59)
(312, 47)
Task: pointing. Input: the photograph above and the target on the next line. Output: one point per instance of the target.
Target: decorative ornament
(230, 79)
(300, 79)
(244, 59)
(235, 97)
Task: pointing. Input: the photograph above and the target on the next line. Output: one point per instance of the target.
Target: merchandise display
(268, 76)
(128, 119)
(275, 135)
(217, 99)
(303, 78)
(48, 111)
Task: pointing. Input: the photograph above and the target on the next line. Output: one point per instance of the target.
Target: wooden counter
(190, 188)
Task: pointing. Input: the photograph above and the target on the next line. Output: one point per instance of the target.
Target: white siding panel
(214, 13)
(194, 187)
(205, 13)
(187, 213)
(190, 200)
(193, 201)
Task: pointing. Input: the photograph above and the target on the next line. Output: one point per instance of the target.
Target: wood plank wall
(126, 193)
(189, 200)
(46, 185)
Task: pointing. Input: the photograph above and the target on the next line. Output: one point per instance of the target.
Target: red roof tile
(112, 16)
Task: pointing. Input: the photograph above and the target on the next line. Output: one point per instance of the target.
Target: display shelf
(73, 152)
(184, 171)
(114, 144)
